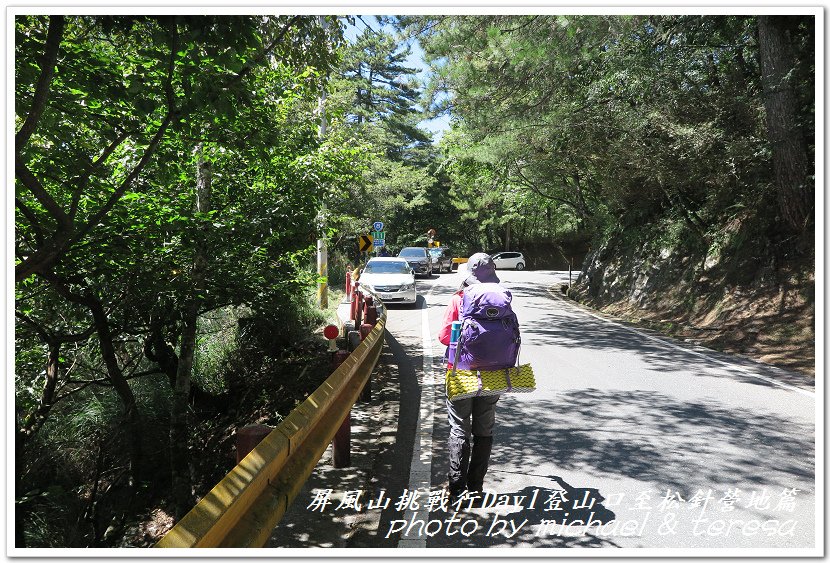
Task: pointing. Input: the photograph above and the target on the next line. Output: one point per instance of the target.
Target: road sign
(379, 235)
(364, 243)
(378, 242)
(378, 225)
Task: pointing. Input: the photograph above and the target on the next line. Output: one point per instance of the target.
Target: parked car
(509, 260)
(441, 259)
(418, 259)
(391, 278)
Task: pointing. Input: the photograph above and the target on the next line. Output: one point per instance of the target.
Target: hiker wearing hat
(471, 419)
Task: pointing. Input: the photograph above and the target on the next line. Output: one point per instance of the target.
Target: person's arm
(450, 315)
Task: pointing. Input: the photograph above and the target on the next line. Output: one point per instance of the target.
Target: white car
(391, 278)
(509, 260)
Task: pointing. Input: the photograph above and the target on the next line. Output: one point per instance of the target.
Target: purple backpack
(489, 331)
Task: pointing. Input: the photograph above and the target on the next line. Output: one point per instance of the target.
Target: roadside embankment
(759, 304)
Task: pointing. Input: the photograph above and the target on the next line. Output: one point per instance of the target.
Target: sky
(436, 126)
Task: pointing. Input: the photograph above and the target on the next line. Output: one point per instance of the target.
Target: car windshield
(412, 253)
(436, 251)
(386, 268)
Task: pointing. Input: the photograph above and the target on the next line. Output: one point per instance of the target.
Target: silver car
(418, 258)
(441, 259)
(391, 278)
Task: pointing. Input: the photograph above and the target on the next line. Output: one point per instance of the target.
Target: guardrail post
(370, 313)
(370, 316)
(366, 325)
(248, 437)
(358, 310)
(352, 340)
(355, 299)
(341, 454)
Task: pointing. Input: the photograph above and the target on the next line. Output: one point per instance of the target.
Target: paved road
(650, 442)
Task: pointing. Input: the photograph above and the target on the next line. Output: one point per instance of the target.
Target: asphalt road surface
(630, 441)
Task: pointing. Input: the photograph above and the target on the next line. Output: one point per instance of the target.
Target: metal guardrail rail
(245, 506)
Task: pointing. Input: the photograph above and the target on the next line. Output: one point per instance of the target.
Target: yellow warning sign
(364, 243)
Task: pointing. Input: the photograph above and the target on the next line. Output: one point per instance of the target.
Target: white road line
(420, 470)
(668, 344)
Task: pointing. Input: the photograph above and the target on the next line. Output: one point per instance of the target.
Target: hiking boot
(475, 499)
(454, 494)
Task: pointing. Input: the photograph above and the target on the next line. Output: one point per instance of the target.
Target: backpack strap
(457, 345)
(519, 354)
(519, 351)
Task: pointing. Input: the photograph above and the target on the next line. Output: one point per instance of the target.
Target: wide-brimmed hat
(482, 270)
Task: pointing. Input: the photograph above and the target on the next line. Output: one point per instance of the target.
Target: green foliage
(383, 91)
(646, 131)
(270, 327)
(216, 342)
(243, 89)
(63, 463)
(608, 122)
(377, 96)
(112, 116)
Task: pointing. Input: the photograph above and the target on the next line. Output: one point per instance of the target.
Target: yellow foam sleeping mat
(472, 383)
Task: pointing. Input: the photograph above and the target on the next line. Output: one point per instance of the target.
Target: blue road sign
(378, 225)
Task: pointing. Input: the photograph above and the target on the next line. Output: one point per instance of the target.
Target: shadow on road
(569, 328)
(651, 437)
(420, 303)
(390, 474)
(383, 431)
(629, 435)
(532, 517)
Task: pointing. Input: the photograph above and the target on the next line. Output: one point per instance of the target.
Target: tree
(384, 91)
(378, 96)
(795, 184)
(109, 111)
(623, 120)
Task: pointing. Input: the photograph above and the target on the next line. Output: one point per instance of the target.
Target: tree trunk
(792, 167)
(132, 418)
(581, 206)
(179, 434)
(33, 423)
(21, 509)
(162, 353)
(122, 388)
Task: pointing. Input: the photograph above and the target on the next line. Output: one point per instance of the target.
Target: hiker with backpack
(489, 340)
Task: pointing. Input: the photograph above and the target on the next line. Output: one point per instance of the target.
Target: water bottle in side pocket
(455, 334)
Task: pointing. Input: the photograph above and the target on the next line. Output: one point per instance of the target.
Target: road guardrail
(245, 506)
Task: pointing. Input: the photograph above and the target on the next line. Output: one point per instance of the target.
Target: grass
(335, 298)
(217, 332)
